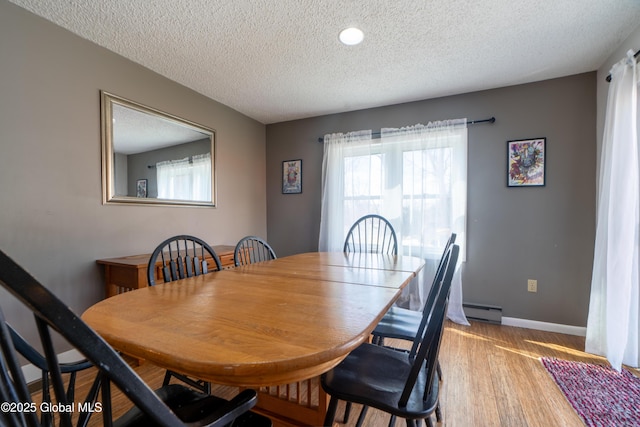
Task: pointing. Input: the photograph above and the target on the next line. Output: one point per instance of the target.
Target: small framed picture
(526, 160)
(141, 188)
(292, 176)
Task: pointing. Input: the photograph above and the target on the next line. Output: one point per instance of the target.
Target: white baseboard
(32, 373)
(545, 326)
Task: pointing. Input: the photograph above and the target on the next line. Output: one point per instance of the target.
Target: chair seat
(190, 406)
(399, 323)
(375, 376)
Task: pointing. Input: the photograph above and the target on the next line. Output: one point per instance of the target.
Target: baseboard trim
(545, 326)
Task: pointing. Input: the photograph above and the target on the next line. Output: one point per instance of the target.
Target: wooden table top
(270, 323)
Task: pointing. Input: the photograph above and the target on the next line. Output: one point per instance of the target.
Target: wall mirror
(153, 158)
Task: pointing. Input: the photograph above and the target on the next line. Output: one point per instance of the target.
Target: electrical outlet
(532, 285)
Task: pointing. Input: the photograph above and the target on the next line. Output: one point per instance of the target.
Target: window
(412, 179)
(185, 179)
(415, 177)
(426, 198)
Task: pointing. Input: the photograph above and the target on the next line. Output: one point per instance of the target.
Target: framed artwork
(141, 188)
(527, 160)
(292, 176)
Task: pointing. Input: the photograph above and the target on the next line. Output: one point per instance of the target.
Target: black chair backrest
(431, 335)
(52, 313)
(372, 233)
(39, 361)
(13, 387)
(252, 249)
(435, 289)
(181, 256)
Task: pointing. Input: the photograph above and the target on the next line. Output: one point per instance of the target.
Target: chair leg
(392, 421)
(438, 413)
(167, 378)
(331, 411)
(347, 412)
(363, 414)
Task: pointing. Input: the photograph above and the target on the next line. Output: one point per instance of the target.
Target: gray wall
(514, 234)
(51, 217)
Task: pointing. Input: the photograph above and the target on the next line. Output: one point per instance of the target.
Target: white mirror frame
(107, 101)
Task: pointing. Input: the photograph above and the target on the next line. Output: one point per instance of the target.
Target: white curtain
(612, 326)
(416, 178)
(334, 221)
(185, 179)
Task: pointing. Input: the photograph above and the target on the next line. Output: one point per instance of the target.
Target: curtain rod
(190, 162)
(470, 122)
(635, 55)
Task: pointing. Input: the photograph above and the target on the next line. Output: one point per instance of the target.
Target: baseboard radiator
(483, 312)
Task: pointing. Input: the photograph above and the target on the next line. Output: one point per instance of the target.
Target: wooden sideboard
(130, 272)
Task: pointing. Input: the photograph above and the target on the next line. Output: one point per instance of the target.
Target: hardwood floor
(492, 377)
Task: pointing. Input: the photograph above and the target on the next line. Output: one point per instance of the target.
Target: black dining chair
(402, 323)
(372, 234)
(174, 405)
(34, 357)
(392, 381)
(180, 257)
(251, 249)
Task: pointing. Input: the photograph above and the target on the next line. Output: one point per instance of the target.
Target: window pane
(363, 182)
(426, 205)
(363, 175)
(427, 172)
(426, 222)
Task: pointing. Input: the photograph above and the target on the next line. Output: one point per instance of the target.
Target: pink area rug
(599, 394)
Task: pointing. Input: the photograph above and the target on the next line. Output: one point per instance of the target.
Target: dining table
(263, 324)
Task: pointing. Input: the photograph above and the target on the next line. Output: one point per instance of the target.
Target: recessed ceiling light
(351, 36)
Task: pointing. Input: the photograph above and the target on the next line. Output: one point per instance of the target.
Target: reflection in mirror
(150, 157)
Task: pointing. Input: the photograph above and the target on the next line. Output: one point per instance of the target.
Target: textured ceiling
(281, 60)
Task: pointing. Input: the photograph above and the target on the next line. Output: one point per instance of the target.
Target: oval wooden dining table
(269, 323)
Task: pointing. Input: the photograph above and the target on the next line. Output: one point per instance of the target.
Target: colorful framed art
(526, 162)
